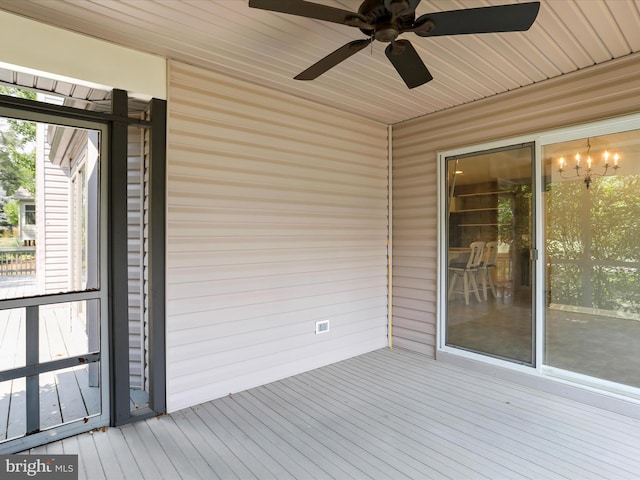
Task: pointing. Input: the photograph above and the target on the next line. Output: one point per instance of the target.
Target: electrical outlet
(322, 326)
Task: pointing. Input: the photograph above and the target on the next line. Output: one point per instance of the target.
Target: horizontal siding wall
(135, 200)
(54, 230)
(277, 218)
(599, 92)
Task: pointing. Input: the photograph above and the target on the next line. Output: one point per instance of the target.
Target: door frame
(442, 349)
(33, 368)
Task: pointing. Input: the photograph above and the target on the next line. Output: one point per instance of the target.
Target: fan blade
(500, 18)
(312, 10)
(331, 60)
(408, 63)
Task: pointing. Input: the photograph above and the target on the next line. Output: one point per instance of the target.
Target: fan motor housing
(385, 30)
(374, 10)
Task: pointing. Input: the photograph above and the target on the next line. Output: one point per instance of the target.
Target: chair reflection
(468, 271)
(488, 267)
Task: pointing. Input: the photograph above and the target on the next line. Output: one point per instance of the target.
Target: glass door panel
(489, 297)
(592, 243)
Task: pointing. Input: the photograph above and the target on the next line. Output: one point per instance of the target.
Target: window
(29, 214)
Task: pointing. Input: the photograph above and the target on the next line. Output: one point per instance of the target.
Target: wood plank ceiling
(269, 49)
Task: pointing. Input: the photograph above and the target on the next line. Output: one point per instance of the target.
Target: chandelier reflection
(587, 172)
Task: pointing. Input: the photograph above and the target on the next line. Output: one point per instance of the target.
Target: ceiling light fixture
(587, 173)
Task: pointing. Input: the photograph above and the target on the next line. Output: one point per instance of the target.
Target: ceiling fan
(385, 20)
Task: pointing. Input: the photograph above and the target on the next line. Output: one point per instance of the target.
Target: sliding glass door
(489, 279)
(592, 256)
(546, 273)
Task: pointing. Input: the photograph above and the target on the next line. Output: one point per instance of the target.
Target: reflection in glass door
(489, 307)
(592, 257)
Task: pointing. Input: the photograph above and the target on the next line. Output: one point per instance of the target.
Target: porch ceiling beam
(71, 112)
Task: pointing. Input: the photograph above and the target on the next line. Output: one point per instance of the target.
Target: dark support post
(32, 345)
(157, 206)
(118, 286)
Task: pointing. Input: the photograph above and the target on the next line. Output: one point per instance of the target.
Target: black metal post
(32, 345)
(118, 287)
(157, 220)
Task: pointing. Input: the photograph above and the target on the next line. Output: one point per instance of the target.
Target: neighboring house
(27, 217)
(282, 214)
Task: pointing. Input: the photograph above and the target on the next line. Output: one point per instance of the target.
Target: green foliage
(593, 242)
(12, 211)
(17, 92)
(615, 217)
(566, 284)
(505, 218)
(17, 150)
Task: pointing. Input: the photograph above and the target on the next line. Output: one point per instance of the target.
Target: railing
(17, 261)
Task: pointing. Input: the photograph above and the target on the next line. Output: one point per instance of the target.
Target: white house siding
(52, 215)
(598, 92)
(135, 199)
(277, 218)
(53, 226)
(145, 251)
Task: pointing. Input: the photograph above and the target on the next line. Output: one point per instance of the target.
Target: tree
(12, 211)
(592, 238)
(17, 149)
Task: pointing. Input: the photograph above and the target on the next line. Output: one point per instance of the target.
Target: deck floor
(383, 415)
(65, 395)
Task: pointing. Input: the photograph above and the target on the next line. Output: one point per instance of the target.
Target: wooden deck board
(227, 464)
(184, 455)
(7, 357)
(305, 444)
(138, 448)
(539, 414)
(383, 415)
(511, 445)
(328, 443)
(352, 420)
(410, 428)
(17, 423)
(495, 410)
(141, 434)
(90, 462)
(112, 469)
(262, 435)
(501, 417)
(12, 355)
(252, 455)
(342, 437)
(50, 406)
(302, 433)
(126, 459)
